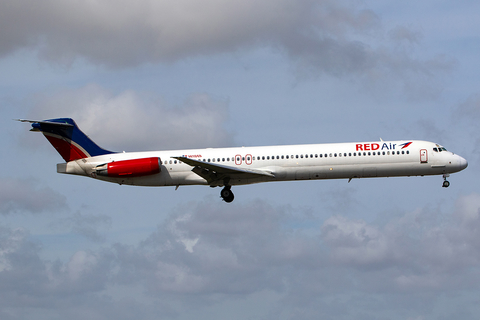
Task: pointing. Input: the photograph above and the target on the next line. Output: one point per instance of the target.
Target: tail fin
(67, 138)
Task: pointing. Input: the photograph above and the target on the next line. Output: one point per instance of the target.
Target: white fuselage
(285, 163)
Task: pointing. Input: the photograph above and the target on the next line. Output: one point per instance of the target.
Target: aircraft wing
(217, 172)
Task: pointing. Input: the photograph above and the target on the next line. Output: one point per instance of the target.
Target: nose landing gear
(446, 183)
(227, 194)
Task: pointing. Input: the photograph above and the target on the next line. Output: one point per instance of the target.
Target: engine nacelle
(130, 168)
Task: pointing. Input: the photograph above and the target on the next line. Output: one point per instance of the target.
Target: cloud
(30, 284)
(204, 254)
(207, 250)
(466, 115)
(133, 121)
(147, 31)
(355, 242)
(18, 195)
(469, 109)
(85, 224)
(318, 37)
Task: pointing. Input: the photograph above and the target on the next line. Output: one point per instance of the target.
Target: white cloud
(468, 209)
(133, 121)
(355, 242)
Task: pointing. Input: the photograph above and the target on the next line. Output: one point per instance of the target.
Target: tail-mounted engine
(129, 168)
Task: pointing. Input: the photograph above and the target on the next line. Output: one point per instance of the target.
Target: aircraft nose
(461, 163)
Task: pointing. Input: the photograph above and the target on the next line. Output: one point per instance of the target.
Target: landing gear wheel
(227, 194)
(446, 184)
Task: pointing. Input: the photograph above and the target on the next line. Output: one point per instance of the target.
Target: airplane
(227, 167)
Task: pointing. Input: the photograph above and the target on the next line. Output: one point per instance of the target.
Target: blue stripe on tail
(68, 139)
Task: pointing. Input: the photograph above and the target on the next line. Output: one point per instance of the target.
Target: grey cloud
(203, 250)
(28, 281)
(132, 121)
(465, 116)
(208, 248)
(207, 252)
(320, 37)
(145, 31)
(402, 34)
(469, 109)
(18, 195)
(86, 224)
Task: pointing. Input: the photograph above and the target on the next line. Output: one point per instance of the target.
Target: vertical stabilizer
(67, 138)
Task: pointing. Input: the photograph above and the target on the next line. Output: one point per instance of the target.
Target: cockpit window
(439, 149)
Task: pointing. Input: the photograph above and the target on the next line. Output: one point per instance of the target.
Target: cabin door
(423, 156)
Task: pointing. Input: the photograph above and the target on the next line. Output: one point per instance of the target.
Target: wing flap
(218, 172)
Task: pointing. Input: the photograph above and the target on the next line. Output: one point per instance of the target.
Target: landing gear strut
(446, 184)
(227, 194)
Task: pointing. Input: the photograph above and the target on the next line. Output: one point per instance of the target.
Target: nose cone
(461, 163)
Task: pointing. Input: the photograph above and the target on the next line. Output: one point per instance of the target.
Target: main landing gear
(446, 184)
(227, 194)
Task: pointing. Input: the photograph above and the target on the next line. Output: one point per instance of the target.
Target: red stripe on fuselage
(67, 150)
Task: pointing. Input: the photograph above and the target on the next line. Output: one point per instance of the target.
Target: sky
(161, 75)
